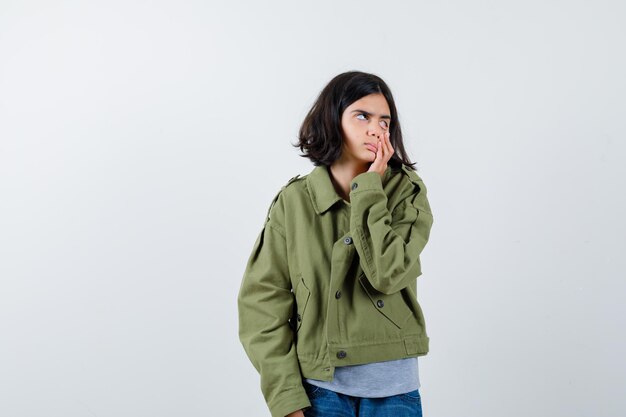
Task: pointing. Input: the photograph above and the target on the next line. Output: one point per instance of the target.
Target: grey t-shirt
(372, 380)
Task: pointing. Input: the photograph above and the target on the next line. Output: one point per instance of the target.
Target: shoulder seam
(413, 178)
(275, 199)
(293, 179)
(276, 227)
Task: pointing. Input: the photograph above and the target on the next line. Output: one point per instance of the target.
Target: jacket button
(341, 354)
(354, 185)
(380, 303)
(338, 294)
(299, 317)
(347, 240)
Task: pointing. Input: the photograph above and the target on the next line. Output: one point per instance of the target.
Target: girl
(328, 313)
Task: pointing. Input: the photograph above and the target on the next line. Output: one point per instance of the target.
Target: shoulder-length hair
(320, 137)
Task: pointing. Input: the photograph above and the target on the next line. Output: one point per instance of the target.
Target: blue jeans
(327, 403)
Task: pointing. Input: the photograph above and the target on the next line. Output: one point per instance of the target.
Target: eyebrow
(382, 116)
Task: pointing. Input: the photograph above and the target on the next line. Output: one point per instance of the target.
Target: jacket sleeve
(389, 244)
(265, 305)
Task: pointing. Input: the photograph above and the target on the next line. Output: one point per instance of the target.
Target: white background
(142, 142)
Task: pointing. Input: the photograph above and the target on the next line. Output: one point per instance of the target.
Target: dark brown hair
(320, 137)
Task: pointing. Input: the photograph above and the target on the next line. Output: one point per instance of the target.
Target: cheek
(351, 142)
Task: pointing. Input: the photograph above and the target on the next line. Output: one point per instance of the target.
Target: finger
(383, 146)
(390, 149)
(378, 153)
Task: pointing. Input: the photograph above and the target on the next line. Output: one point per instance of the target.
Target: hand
(298, 413)
(383, 154)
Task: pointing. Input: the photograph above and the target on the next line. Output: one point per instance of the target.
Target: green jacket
(332, 283)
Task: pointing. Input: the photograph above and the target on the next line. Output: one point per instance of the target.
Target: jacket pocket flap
(302, 293)
(391, 306)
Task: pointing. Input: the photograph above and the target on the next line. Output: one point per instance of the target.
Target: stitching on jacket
(366, 249)
(312, 195)
(369, 190)
(402, 203)
(279, 229)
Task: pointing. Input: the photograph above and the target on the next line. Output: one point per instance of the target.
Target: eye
(384, 123)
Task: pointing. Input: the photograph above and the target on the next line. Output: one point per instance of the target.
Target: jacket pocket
(302, 299)
(392, 306)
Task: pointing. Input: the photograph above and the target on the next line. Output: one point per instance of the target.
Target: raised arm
(389, 244)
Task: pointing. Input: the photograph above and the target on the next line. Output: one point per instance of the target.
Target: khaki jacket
(332, 283)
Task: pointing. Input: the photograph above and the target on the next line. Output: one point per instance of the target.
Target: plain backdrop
(141, 144)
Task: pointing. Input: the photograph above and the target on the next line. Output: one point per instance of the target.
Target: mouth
(370, 146)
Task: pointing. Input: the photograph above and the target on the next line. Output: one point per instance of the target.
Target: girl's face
(363, 123)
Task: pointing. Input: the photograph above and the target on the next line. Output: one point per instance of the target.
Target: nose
(376, 131)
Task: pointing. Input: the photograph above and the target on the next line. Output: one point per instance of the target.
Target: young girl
(328, 313)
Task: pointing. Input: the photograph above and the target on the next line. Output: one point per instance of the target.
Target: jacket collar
(322, 191)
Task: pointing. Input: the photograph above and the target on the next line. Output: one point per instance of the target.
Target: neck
(342, 173)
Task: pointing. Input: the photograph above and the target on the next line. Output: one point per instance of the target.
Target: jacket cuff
(290, 401)
(366, 181)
